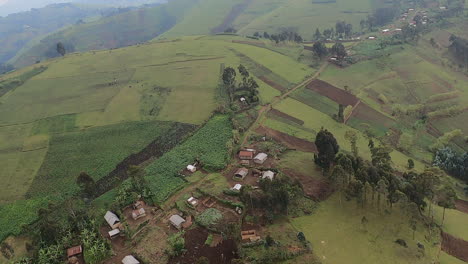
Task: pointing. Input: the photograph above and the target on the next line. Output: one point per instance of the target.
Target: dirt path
(276, 100)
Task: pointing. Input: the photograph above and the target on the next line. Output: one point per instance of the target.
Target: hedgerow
(210, 145)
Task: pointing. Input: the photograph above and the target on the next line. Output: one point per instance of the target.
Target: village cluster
(249, 169)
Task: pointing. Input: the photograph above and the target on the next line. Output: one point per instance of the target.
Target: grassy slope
(337, 235)
(302, 15)
(119, 30)
(79, 85)
(204, 16)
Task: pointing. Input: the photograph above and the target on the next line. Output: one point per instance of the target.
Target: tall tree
(446, 198)
(320, 49)
(352, 137)
(338, 50)
(317, 35)
(86, 184)
(327, 147)
(61, 49)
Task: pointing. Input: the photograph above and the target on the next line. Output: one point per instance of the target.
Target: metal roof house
(130, 260)
(241, 173)
(191, 168)
(268, 175)
(114, 233)
(112, 220)
(246, 155)
(176, 221)
(237, 187)
(74, 251)
(136, 214)
(260, 158)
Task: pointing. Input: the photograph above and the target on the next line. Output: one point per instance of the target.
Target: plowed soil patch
(367, 113)
(455, 246)
(195, 239)
(462, 205)
(288, 140)
(334, 93)
(272, 84)
(286, 116)
(314, 188)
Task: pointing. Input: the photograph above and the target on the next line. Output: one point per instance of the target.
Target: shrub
(209, 217)
(176, 243)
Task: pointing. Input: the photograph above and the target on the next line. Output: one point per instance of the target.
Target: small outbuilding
(130, 260)
(191, 168)
(177, 221)
(237, 187)
(114, 233)
(245, 162)
(192, 201)
(112, 220)
(241, 173)
(260, 158)
(74, 251)
(137, 214)
(246, 155)
(268, 175)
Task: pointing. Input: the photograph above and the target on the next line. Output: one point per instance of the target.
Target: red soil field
(314, 188)
(288, 140)
(286, 116)
(455, 246)
(272, 84)
(461, 205)
(195, 239)
(334, 93)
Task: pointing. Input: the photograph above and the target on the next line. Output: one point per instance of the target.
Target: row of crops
(210, 145)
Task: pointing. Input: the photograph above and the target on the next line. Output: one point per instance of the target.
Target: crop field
(317, 101)
(300, 14)
(335, 230)
(210, 144)
(454, 223)
(105, 147)
(158, 81)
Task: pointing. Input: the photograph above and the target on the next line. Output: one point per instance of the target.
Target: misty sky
(14, 6)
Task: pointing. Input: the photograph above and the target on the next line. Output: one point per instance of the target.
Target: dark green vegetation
(211, 146)
(68, 155)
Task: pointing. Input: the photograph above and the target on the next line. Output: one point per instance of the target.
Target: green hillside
(86, 103)
(118, 30)
(17, 30)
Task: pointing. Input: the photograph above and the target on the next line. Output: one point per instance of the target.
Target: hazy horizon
(14, 6)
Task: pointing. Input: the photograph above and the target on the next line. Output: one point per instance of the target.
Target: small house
(176, 221)
(130, 260)
(245, 162)
(74, 251)
(260, 158)
(112, 220)
(191, 168)
(268, 175)
(138, 205)
(237, 187)
(250, 235)
(114, 233)
(137, 214)
(192, 201)
(241, 173)
(246, 155)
